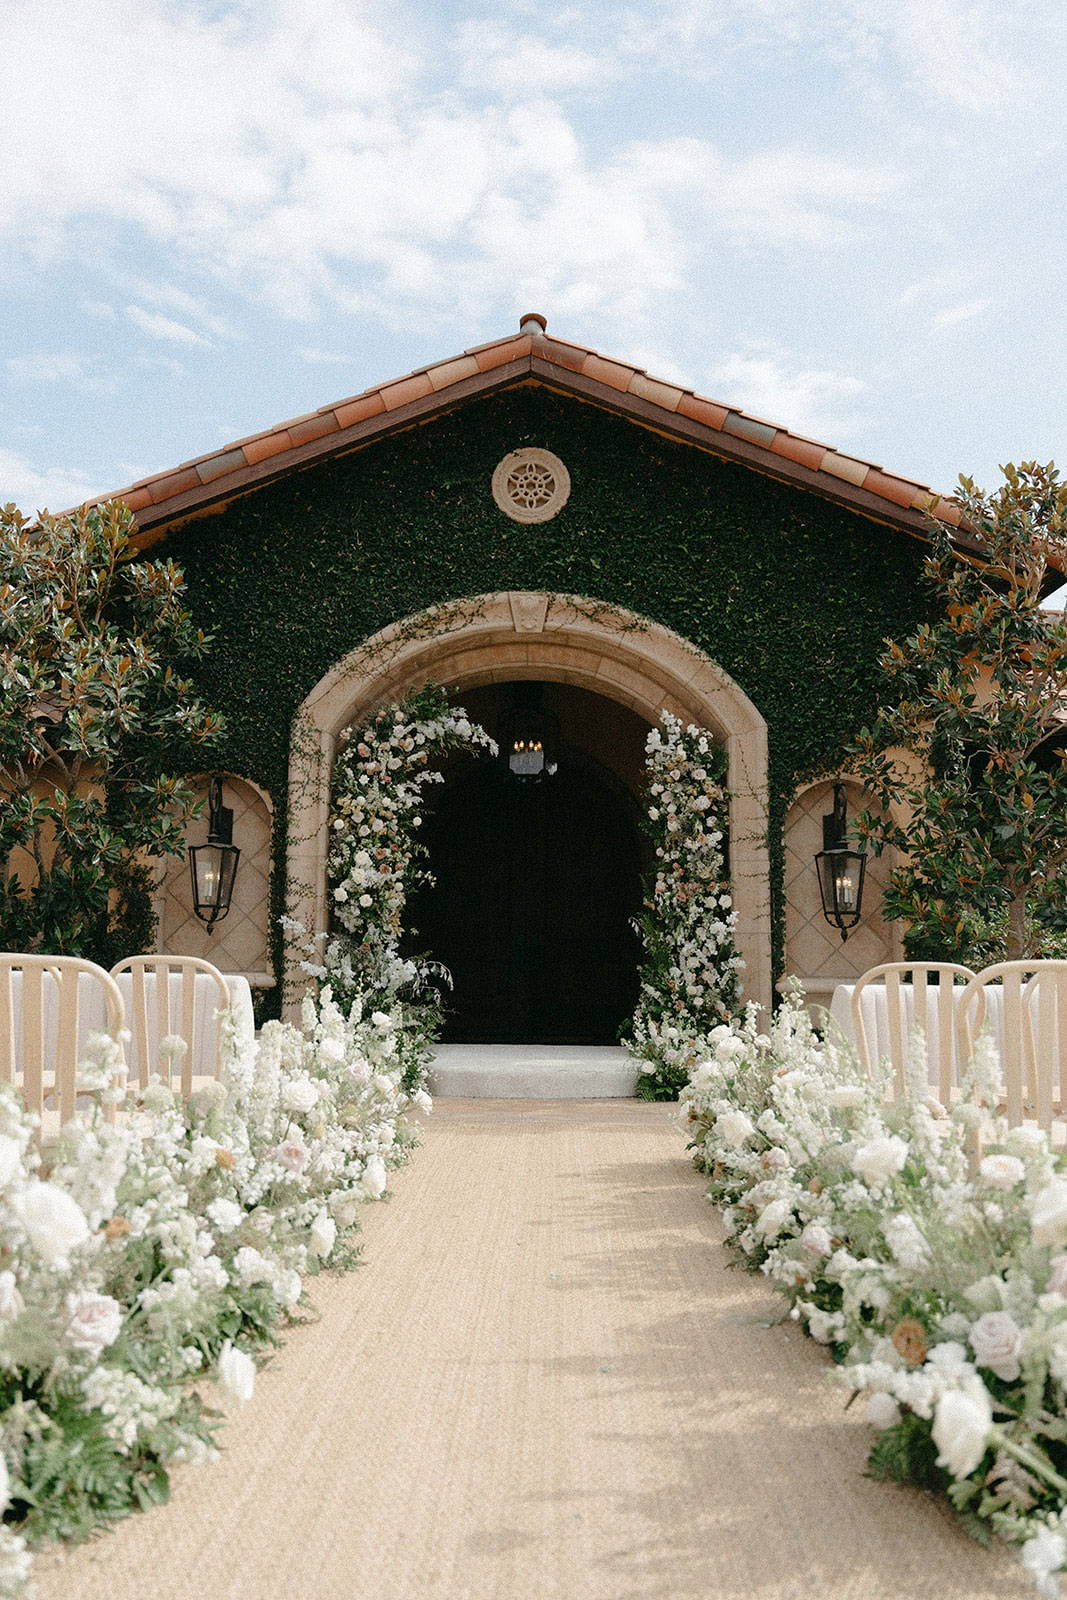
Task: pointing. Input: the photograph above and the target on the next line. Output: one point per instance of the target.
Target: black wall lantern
(214, 865)
(840, 869)
(531, 734)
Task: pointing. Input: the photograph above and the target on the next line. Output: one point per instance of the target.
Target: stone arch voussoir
(523, 634)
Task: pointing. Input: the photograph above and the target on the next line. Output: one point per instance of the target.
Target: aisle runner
(543, 1382)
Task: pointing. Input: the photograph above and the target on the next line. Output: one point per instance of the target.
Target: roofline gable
(208, 483)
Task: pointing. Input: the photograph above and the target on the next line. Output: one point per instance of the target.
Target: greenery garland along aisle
(690, 978)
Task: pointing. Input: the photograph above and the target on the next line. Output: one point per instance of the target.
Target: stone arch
(511, 635)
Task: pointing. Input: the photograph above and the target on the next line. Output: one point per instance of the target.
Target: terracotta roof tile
(745, 427)
(805, 452)
(762, 443)
(403, 390)
(353, 411)
(701, 410)
(266, 445)
(660, 394)
(612, 373)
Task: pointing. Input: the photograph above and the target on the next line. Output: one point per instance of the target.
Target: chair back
(173, 996)
(1026, 1002)
(48, 1006)
(908, 990)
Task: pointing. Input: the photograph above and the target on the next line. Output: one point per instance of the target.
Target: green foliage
(970, 743)
(790, 594)
(94, 717)
(906, 1453)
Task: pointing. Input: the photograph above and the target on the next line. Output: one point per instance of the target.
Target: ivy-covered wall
(791, 595)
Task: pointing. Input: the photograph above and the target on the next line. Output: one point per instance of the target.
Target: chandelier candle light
(840, 869)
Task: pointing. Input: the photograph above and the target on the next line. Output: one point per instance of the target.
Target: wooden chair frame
(183, 1024)
(1033, 1042)
(949, 993)
(27, 1051)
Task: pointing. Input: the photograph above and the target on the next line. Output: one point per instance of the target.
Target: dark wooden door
(531, 912)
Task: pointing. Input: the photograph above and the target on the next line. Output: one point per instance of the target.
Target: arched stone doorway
(537, 884)
(518, 635)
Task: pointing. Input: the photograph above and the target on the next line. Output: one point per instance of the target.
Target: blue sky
(846, 216)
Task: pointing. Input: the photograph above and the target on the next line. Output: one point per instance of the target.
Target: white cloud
(34, 488)
(953, 316)
(161, 327)
(808, 401)
(323, 358)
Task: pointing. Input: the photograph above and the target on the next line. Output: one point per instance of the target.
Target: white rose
(340, 893)
(997, 1342)
(882, 1411)
(374, 1178)
(54, 1222)
(225, 1215)
(322, 1234)
(879, 1159)
(292, 1154)
(730, 1048)
(734, 1127)
(381, 1019)
(773, 1218)
(237, 1373)
(1048, 1214)
(949, 1358)
(94, 1322)
(299, 1095)
(1003, 1172)
(845, 1095)
(365, 900)
(10, 1160)
(1044, 1555)
(817, 1239)
(962, 1422)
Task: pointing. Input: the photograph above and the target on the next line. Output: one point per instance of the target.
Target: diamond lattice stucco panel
(239, 943)
(813, 949)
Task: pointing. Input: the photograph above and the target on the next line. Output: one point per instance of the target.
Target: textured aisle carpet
(544, 1382)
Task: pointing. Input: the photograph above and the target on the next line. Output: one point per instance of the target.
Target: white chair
(907, 998)
(42, 999)
(1031, 1026)
(160, 1007)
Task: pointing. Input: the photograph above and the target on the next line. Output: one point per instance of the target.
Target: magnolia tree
(93, 709)
(969, 746)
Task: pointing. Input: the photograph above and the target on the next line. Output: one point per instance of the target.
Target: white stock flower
(237, 1373)
(997, 1342)
(251, 1266)
(12, 1304)
(10, 1160)
(331, 1049)
(846, 1095)
(882, 1410)
(1048, 1214)
(374, 1178)
(225, 1215)
(55, 1223)
(879, 1159)
(94, 1322)
(1001, 1171)
(962, 1420)
(906, 1242)
(322, 1234)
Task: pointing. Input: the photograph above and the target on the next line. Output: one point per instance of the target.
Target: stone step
(533, 1072)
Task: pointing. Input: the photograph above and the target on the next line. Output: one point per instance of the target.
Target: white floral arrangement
(376, 860)
(691, 975)
(148, 1252)
(941, 1291)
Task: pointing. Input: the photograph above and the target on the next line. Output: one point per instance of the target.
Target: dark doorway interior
(536, 887)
